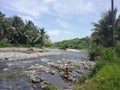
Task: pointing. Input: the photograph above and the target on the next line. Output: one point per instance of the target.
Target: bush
(63, 47)
(95, 52)
(5, 44)
(109, 55)
(108, 78)
(82, 79)
(117, 49)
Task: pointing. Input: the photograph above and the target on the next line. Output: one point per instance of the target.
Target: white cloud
(53, 32)
(49, 1)
(68, 32)
(28, 7)
(53, 7)
(86, 6)
(73, 6)
(27, 18)
(62, 23)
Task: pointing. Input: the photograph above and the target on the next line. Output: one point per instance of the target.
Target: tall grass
(106, 74)
(108, 78)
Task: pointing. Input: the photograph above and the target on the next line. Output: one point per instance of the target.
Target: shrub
(82, 79)
(107, 78)
(109, 55)
(5, 44)
(95, 51)
(117, 49)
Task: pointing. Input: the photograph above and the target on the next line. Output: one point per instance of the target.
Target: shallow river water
(11, 77)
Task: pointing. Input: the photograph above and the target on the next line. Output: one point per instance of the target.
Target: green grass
(5, 44)
(108, 78)
(51, 87)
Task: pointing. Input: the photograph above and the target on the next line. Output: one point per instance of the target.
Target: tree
(113, 22)
(19, 25)
(42, 36)
(2, 21)
(103, 31)
(15, 30)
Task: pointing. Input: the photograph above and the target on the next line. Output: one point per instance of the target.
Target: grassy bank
(108, 78)
(106, 74)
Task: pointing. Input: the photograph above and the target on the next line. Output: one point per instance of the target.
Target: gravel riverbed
(41, 67)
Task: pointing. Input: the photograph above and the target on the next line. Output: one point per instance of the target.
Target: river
(18, 75)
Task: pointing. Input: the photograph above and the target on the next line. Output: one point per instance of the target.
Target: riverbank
(44, 66)
(28, 53)
(24, 53)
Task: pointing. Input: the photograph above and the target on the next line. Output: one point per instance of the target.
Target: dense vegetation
(74, 43)
(106, 74)
(14, 31)
(102, 31)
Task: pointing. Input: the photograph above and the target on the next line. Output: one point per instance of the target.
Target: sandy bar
(26, 53)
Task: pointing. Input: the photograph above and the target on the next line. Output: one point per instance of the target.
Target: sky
(62, 19)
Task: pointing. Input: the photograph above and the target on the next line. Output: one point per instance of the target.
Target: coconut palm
(42, 36)
(2, 21)
(15, 30)
(18, 24)
(103, 31)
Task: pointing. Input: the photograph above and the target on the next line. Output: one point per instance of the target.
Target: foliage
(108, 55)
(95, 52)
(82, 79)
(15, 31)
(106, 73)
(51, 87)
(74, 43)
(102, 32)
(5, 44)
(117, 49)
(108, 78)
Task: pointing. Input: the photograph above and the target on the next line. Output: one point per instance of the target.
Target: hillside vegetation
(76, 43)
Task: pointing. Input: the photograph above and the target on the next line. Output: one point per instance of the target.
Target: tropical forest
(34, 58)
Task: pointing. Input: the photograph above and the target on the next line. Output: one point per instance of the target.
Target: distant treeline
(76, 43)
(14, 30)
(102, 34)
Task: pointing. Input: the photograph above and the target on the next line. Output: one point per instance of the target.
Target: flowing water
(11, 77)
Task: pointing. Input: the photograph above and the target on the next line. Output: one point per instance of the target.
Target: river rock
(80, 71)
(71, 78)
(43, 84)
(35, 80)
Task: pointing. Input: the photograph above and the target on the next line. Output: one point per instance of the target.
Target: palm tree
(18, 24)
(113, 22)
(42, 36)
(2, 21)
(14, 30)
(103, 31)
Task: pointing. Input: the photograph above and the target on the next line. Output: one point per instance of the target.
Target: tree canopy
(102, 31)
(15, 30)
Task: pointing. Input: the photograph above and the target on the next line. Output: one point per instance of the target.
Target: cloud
(49, 1)
(73, 7)
(68, 32)
(54, 7)
(62, 23)
(28, 7)
(27, 18)
(86, 7)
(53, 32)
